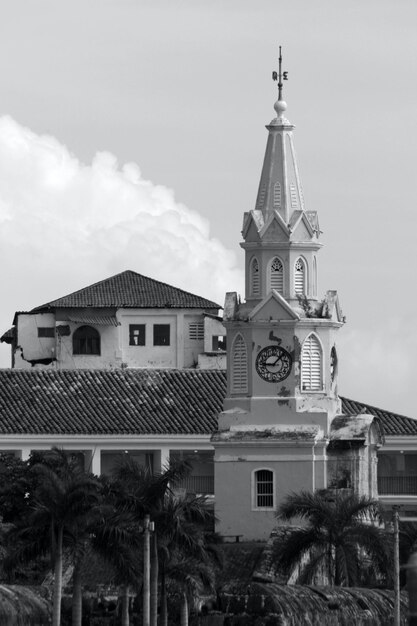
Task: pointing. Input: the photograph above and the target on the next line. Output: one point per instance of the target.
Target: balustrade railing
(397, 485)
(198, 484)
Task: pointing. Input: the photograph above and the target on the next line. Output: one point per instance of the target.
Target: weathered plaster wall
(30, 347)
(293, 468)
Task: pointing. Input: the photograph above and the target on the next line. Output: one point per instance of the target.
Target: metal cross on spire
(280, 76)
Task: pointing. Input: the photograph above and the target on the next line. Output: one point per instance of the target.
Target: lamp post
(397, 597)
(148, 527)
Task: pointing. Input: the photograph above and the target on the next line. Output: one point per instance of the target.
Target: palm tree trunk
(164, 604)
(77, 596)
(154, 581)
(56, 607)
(125, 606)
(184, 610)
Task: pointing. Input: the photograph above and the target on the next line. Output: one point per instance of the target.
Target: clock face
(273, 364)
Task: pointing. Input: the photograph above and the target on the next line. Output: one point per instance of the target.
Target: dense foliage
(339, 539)
(55, 512)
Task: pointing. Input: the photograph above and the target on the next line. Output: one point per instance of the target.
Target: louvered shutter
(239, 366)
(299, 277)
(255, 278)
(276, 277)
(311, 364)
(196, 331)
(277, 195)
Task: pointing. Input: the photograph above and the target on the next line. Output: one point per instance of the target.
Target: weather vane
(280, 76)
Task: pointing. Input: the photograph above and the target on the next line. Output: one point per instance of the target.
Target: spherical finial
(280, 106)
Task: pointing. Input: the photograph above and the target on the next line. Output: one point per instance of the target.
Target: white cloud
(64, 225)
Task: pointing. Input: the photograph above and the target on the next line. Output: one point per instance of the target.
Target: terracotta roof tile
(392, 424)
(131, 290)
(110, 402)
(142, 402)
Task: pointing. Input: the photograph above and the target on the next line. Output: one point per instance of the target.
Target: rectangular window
(196, 331)
(137, 334)
(219, 343)
(46, 331)
(264, 489)
(161, 334)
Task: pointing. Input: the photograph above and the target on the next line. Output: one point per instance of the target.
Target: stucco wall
(31, 347)
(234, 485)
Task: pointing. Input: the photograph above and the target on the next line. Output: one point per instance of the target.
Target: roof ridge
(131, 283)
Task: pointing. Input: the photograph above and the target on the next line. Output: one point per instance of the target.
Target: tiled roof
(131, 290)
(100, 402)
(8, 336)
(142, 402)
(392, 424)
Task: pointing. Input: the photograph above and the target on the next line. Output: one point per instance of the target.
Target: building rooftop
(392, 424)
(131, 401)
(130, 290)
(107, 402)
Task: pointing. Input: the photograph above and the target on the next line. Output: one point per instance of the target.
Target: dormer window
(277, 195)
(276, 275)
(294, 197)
(312, 364)
(255, 279)
(299, 276)
(86, 340)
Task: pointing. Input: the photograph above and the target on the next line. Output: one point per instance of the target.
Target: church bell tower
(281, 352)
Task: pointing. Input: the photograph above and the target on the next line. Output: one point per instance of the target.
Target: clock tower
(282, 364)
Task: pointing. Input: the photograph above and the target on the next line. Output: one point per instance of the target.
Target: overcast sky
(132, 137)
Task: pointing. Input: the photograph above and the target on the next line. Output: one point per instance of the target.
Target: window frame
(161, 343)
(302, 369)
(255, 492)
(219, 343)
(304, 274)
(240, 389)
(255, 292)
(46, 332)
(270, 264)
(94, 337)
(140, 328)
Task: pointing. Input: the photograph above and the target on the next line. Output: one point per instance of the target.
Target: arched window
(299, 276)
(276, 275)
(277, 195)
(239, 366)
(255, 286)
(86, 340)
(311, 364)
(263, 489)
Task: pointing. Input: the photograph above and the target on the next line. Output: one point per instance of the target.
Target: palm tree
(143, 493)
(182, 530)
(340, 537)
(188, 576)
(117, 539)
(63, 498)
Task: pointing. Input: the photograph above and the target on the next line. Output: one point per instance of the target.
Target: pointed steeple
(280, 185)
(281, 238)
